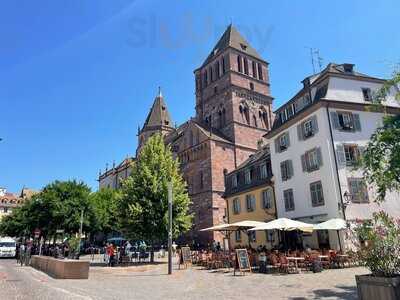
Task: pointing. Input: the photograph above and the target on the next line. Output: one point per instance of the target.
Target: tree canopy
(381, 159)
(143, 207)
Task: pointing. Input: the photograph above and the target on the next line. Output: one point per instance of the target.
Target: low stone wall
(61, 268)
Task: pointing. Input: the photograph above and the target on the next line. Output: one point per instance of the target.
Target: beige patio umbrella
(242, 226)
(285, 225)
(333, 224)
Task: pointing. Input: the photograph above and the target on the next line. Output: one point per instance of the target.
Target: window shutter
(283, 171)
(361, 150)
(341, 157)
(253, 202)
(314, 124)
(335, 120)
(319, 156)
(277, 145)
(300, 132)
(304, 163)
(357, 123)
(290, 169)
(287, 139)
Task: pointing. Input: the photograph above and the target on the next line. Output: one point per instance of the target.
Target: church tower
(233, 93)
(157, 121)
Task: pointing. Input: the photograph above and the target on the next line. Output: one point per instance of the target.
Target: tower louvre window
(246, 66)
(239, 62)
(254, 65)
(260, 74)
(223, 65)
(217, 71)
(211, 74)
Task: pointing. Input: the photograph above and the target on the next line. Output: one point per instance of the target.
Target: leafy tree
(381, 159)
(104, 204)
(57, 206)
(143, 207)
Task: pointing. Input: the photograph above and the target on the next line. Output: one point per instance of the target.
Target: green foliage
(104, 204)
(382, 253)
(381, 160)
(143, 207)
(57, 206)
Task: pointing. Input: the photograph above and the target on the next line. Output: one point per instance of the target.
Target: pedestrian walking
(22, 254)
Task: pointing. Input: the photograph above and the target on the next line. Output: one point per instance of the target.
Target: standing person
(22, 254)
(111, 254)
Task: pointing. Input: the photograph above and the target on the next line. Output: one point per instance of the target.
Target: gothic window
(263, 116)
(239, 62)
(246, 114)
(246, 66)
(254, 69)
(223, 65)
(205, 78)
(260, 74)
(210, 71)
(217, 70)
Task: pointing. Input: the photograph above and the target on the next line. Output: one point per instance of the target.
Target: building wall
(259, 214)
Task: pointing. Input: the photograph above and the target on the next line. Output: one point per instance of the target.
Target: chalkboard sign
(186, 256)
(242, 260)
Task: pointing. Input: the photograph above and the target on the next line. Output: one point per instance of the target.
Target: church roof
(159, 115)
(231, 38)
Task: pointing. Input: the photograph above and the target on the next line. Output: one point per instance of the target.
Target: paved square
(152, 282)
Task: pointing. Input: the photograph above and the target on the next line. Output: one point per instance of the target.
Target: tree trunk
(152, 254)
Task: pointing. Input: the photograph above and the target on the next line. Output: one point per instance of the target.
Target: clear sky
(77, 77)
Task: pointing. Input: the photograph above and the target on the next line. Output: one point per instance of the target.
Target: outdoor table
(296, 259)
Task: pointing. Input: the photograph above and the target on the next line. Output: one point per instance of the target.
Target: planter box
(61, 268)
(382, 288)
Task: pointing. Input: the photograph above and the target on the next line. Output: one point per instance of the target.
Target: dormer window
(367, 94)
(243, 46)
(348, 68)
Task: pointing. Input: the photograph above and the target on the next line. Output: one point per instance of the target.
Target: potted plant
(380, 253)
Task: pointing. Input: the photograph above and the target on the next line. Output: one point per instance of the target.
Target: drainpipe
(336, 164)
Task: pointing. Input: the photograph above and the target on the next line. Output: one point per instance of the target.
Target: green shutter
(335, 120)
(277, 145)
(314, 124)
(290, 169)
(357, 123)
(319, 156)
(300, 132)
(287, 139)
(304, 163)
(341, 157)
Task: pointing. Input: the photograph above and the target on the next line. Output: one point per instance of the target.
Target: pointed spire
(159, 115)
(231, 38)
(159, 92)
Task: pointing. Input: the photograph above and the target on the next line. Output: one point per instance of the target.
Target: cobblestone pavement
(152, 282)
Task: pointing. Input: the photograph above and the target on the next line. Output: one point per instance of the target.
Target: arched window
(246, 114)
(211, 75)
(246, 66)
(217, 72)
(223, 65)
(263, 117)
(239, 63)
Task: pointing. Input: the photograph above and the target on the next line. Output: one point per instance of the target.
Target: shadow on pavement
(341, 292)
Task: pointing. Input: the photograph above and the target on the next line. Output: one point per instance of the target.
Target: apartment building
(315, 143)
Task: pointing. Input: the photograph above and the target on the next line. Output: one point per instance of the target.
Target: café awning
(285, 225)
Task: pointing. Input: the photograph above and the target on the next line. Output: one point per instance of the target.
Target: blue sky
(78, 76)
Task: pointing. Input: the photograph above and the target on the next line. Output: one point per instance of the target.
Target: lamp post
(170, 228)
